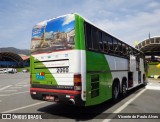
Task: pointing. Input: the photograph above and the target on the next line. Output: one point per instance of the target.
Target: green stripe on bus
(79, 33)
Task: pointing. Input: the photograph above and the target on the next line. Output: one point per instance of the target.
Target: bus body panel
(118, 67)
(107, 68)
(98, 80)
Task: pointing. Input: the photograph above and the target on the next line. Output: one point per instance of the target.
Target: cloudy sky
(128, 20)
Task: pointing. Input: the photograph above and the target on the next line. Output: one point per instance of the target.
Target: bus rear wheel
(33, 96)
(115, 92)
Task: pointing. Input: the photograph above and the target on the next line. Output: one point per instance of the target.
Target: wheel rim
(116, 92)
(124, 89)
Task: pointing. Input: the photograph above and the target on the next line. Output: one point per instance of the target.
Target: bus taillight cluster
(77, 82)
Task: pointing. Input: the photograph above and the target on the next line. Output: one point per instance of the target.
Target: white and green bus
(75, 62)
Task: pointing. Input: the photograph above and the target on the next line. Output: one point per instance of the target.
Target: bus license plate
(49, 97)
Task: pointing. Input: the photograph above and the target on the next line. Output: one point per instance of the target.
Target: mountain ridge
(15, 50)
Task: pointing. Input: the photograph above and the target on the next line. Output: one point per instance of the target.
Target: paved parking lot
(15, 98)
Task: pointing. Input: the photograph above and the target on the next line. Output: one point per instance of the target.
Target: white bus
(75, 62)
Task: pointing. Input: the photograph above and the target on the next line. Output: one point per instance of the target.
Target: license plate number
(49, 97)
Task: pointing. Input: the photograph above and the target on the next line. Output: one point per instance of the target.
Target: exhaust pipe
(71, 101)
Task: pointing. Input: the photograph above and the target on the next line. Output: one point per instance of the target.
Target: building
(151, 48)
(9, 59)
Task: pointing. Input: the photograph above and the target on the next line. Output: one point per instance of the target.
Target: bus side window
(115, 45)
(100, 41)
(126, 53)
(124, 49)
(110, 44)
(120, 48)
(88, 36)
(127, 50)
(105, 43)
(135, 52)
(94, 38)
(130, 51)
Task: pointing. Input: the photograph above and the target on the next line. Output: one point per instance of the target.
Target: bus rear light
(33, 92)
(77, 82)
(77, 78)
(72, 97)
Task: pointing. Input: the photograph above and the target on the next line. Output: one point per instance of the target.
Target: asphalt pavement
(15, 98)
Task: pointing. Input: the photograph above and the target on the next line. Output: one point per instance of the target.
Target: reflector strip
(55, 91)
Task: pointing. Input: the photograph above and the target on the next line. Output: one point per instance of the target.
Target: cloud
(69, 18)
(43, 23)
(153, 5)
(128, 21)
(133, 27)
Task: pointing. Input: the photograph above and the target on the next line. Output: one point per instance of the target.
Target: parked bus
(75, 62)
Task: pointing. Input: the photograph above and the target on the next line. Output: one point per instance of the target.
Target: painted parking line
(19, 93)
(16, 109)
(152, 87)
(23, 81)
(125, 105)
(22, 85)
(15, 87)
(10, 90)
(3, 95)
(26, 85)
(5, 87)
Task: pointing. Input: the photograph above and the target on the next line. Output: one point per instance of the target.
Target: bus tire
(115, 91)
(144, 80)
(33, 96)
(124, 89)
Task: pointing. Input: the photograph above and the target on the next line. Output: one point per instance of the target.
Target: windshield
(53, 35)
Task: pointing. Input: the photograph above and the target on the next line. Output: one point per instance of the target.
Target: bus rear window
(54, 35)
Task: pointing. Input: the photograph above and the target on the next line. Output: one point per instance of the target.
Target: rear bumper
(61, 96)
